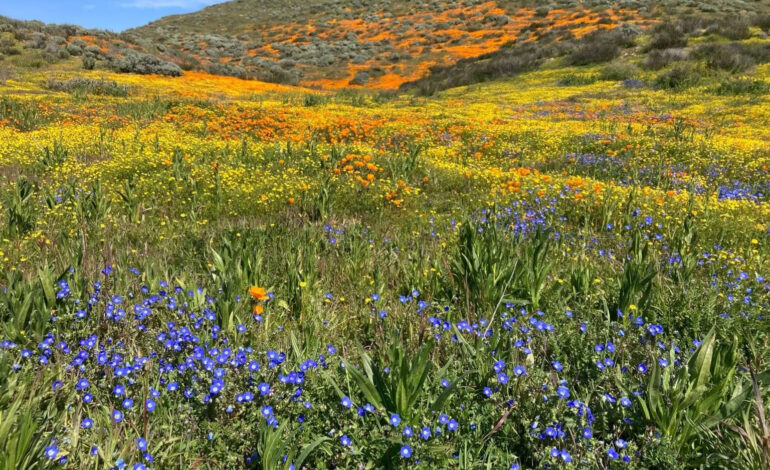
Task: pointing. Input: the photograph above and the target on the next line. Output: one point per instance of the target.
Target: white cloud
(168, 3)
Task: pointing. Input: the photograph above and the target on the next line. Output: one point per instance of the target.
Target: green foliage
(23, 115)
(684, 402)
(678, 77)
(618, 71)
(577, 80)
(401, 390)
(743, 86)
(21, 212)
(667, 35)
(88, 86)
(53, 156)
(146, 64)
(636, 283)
(484, 264)
(88, 62)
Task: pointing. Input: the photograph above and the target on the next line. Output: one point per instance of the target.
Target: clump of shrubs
(679, 77)
(146, 64)
(667, 35)
(573, 79)
(734, 27)
(603, 46)
(229, 70)
(733, 57)
(74, 49)
(361, 78)
(618, 71)
(89, 86)
(89, 62)
(743, 86)
(658, 58)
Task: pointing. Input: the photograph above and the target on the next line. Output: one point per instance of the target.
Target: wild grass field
(558, 264)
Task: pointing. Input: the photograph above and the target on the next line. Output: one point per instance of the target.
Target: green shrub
(733, 57)
(762, 21)
(679, 77)
(618, 71)
(602, 46)
(89, 86)
(594, 53)
(667, 35)
(659, 58)
(89, 63)
(573, 79)
(94, 51)
(146, 64)
(361, 78)
(229, 70)
(734, 27)
(743, 86)
(74, 49)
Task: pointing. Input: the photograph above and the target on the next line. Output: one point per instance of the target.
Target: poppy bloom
(259, 293)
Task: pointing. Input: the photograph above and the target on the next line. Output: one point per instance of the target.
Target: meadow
(563, 269)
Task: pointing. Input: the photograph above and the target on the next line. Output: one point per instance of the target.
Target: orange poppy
(258, 293)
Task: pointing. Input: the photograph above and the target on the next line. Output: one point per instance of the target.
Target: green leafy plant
(702, 393)
(401, 390)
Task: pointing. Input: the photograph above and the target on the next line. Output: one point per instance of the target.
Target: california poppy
(258, 293)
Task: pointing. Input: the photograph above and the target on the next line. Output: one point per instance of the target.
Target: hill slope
(332, 43)
(383, 43)
(374, 43)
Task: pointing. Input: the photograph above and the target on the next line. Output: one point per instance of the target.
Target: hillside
(429, 44)
(382, 44)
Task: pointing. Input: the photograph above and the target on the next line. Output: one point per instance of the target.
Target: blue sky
(115, 15)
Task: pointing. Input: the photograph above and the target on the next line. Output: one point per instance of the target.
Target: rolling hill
(375, 44)
(382, 44)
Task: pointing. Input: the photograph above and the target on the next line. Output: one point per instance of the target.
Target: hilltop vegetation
(561, 263)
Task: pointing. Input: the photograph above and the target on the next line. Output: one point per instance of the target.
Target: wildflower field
(566, 268)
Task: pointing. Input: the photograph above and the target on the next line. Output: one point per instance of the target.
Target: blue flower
(406, 451)
(346, 402)
(345, 440)
(51, 451)
(563, 392)
(86, 423)
(625, 401)
(395, 419)
(117, 416)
